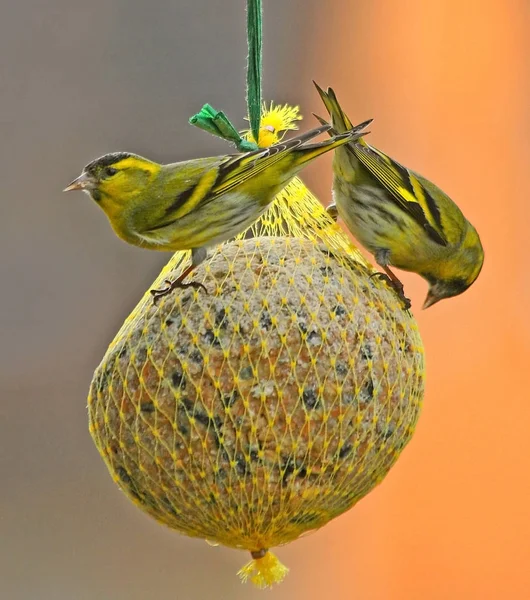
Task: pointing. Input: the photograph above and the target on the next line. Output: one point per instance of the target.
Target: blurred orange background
(448, 84)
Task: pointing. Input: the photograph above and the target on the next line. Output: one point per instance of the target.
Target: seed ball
(265, 407)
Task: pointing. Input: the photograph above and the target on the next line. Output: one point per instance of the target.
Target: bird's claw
(332, 211)
(172, 285)
(397, 286)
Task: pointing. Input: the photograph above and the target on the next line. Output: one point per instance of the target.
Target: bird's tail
(307, 152)
(286, 157)
(339, 119)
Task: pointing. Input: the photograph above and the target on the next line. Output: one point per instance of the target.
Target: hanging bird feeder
(266, 407)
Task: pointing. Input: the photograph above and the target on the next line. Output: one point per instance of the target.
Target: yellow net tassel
(263, 570)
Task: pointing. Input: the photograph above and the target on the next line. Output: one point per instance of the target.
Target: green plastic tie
(216, 122)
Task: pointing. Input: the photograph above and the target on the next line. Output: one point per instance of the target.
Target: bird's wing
(242, 167)
(214, 177)
(200, 187)
(404, 188)
(229, 172)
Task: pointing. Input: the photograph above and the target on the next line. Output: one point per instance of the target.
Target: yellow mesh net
(262, 409)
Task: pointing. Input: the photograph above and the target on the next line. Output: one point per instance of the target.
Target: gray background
(77, 80)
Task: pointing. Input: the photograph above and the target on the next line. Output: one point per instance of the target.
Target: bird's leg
(177, 283)
(332, 211)
(382, 257)
(197, 256)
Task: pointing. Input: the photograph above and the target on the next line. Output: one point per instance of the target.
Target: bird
(197, 203)
(402, 218)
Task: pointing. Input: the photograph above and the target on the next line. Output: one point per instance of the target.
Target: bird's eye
(110, 171)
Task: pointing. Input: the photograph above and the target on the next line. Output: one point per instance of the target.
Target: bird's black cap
(106, 161)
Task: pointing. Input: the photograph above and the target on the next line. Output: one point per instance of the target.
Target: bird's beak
(430, 300)
(81, 183)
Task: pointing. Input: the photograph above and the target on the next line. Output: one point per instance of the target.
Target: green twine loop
(216, 122)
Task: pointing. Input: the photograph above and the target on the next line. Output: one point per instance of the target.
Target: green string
(254, 66)
(215, 121)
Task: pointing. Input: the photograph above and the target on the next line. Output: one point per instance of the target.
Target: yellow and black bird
(197, 203)
(403, 219)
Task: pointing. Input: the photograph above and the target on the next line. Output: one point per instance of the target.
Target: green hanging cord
(254, 67)
(215, 121)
